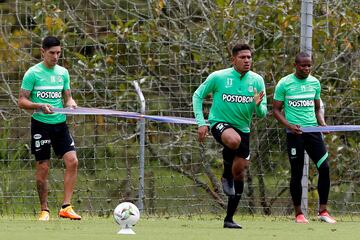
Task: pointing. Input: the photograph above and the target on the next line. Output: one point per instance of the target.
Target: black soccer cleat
(228, 186)
(232, 224)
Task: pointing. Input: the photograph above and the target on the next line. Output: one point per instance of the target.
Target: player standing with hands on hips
(299, 94)
(237, 92)
(45, 86)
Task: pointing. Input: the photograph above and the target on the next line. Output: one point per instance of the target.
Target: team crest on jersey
(305, 88)
(54, 79)
(228, 82)
(250, 88)
(293, 151)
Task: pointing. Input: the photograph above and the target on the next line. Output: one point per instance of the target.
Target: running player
(45, 86)
(299, 94)
(237, 92)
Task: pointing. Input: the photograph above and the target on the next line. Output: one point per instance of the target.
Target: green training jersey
(298, 96)
(46, 85)
(233, 98)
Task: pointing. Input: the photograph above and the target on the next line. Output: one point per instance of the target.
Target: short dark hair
(239, 47)
(50, 41)
(301, 55)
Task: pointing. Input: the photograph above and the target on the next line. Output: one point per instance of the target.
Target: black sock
(46, 210)
(239, 187)
(323, 183)
(233, 201)
(228, 156)
(231, 207)
(65, 206)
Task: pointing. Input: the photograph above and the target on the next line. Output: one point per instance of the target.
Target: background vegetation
(170, 47)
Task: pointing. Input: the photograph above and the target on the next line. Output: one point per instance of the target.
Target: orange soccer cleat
(69, 212)
(44, 216)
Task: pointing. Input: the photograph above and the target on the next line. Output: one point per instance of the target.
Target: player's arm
(202, 91)
(199, 115)
(260, 100)
(25, 103)
(277, 107)
(68, 100)
(319, 116)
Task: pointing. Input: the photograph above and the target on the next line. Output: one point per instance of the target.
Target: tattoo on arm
(67, 94)
(24, 94)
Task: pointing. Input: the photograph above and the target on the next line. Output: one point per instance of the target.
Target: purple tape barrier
(166, 119)
(96, 111)
(107, 112)
(332, 128)
(181, 120)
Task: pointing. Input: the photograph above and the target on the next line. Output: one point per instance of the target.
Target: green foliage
(170, 47)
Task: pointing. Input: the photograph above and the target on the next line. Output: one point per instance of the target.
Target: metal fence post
(141, 122)
(306, 46)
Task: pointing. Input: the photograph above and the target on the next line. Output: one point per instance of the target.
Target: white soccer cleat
(325, 217)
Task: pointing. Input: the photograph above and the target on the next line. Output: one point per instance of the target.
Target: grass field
(281, 228)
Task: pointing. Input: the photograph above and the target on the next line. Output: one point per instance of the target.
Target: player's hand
(295, 129)
(324, 125)
(202, 133)
(47, 108)
(258, 97)
(71, 104)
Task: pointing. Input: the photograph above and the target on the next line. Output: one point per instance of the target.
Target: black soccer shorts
(44, 135)
(244, 149)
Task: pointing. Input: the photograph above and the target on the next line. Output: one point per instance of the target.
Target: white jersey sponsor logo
(53, 95)
(301, 103)
(237, 98)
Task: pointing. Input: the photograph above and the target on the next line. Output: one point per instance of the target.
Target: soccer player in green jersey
(299, 94)
(237, 93)
(46, 86)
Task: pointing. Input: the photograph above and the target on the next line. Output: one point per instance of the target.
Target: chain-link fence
(170, 47)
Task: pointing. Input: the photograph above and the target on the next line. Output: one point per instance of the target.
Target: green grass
(182, 228)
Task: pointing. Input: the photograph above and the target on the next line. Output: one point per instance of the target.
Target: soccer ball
(126, 214)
